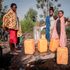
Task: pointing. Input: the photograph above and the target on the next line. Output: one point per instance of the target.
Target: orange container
(42, 45)
(54, 44)
(29, 46)
(43, 36)
(62, 55)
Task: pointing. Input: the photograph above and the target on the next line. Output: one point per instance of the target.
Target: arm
(43, 27)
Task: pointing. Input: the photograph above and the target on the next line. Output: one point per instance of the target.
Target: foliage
(2, 12)
(28, 22)
(45, 4)
(55, 11)
(0, 23)
(31, 14)
(27, 25)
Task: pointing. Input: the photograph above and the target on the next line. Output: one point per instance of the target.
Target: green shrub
(27, 25)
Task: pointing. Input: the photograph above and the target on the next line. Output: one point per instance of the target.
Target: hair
(13, 4)
(51, 8)
(61, 11)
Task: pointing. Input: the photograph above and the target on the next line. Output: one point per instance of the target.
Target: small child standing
(37, 32)
(19, 36)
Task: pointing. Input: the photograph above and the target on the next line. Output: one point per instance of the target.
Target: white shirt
(52, 21)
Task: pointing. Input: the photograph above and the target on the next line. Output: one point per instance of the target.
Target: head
(13, 7)
(51, 11)
(60, 13)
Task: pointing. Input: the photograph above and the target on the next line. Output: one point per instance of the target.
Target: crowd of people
(55, 28)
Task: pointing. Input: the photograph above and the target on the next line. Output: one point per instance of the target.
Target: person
(5, 35)
(10, 22)
(59, 29)
(37, 32)
(19, 36)
(50, 20)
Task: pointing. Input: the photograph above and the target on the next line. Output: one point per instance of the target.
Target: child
(19, 35)
(37, 32)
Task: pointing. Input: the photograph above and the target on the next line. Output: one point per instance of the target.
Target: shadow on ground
(5, 61)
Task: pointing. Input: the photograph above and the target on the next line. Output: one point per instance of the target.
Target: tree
(55, 11)
(0, 12)
(27, 25)
(45, 4)
(28, 22)
(3, 11)
(31, 14)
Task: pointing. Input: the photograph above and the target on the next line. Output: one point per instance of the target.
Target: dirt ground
(11, 62)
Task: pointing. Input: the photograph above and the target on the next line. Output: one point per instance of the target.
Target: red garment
(13, 36)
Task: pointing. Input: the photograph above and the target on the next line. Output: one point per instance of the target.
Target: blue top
(48, 28)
